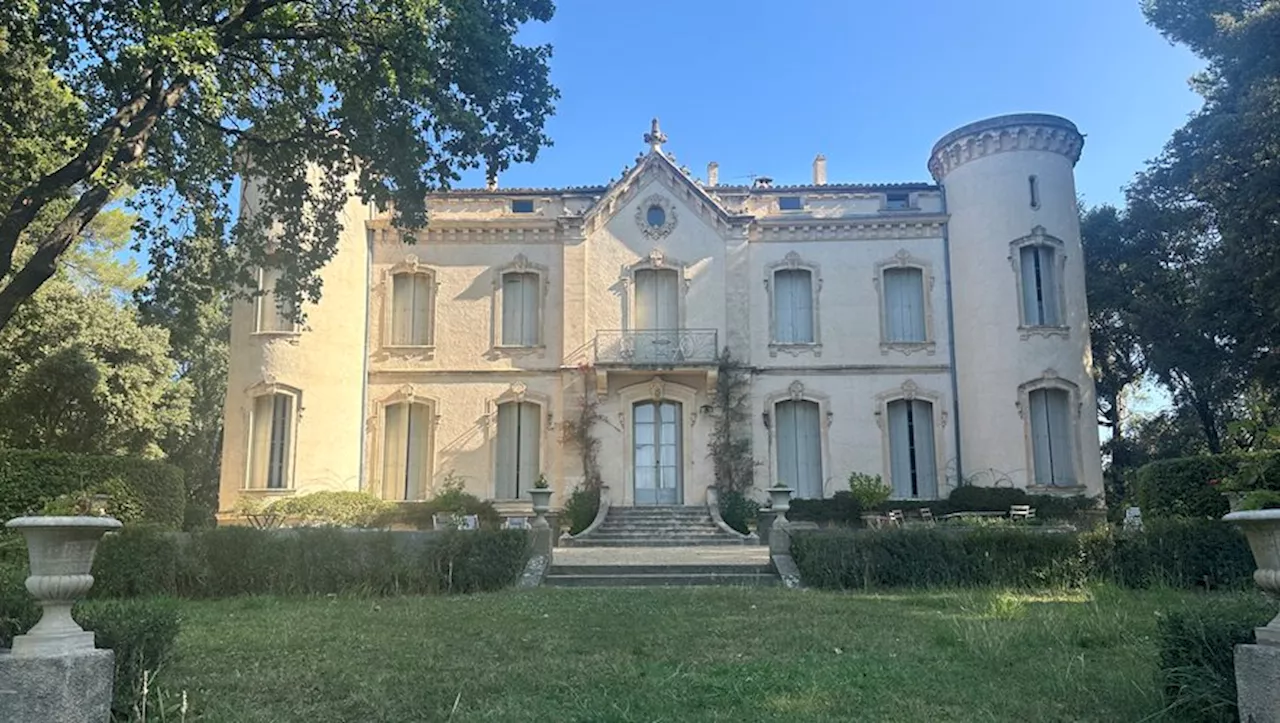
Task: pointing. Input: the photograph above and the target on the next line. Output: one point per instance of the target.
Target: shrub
(738, 511)
(972, 498)
(868, 490)
(461, 562)
(1180, 553)
(347, 509)
(31, 479)
(1261, 500)
(1197, 649)
(450, 500)
(121, 502)
(141, 633)
(581, 508)
(138, 561)
(842, 507)
(1181, 487)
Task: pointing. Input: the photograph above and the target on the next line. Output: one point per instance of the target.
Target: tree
(79, 373)
(313, 100)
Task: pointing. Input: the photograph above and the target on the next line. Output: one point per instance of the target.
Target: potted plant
(1262, 528)
(541, 494)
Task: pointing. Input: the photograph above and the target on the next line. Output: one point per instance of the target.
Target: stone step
(663, 580)
(711, 568)
(593, 541)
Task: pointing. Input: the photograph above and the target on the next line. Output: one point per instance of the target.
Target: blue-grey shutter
(506, 462)
(926, 455)
(417, 463)
(529, 460)
(1061, 449)
(1032, 313)
(393, 452)
(809, 448)
(512, 309)
(899, 449)
(783, 309)
(1042, 454)
(788, 454)
(1049, 286)
(421, 310)
(904, 304)
(281, 429)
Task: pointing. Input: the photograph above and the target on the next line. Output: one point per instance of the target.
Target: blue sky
(763, 86)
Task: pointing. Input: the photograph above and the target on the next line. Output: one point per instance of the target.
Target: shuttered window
(519, 438)
(799, 447)
(913, 468)
(406, 463)
(793, 307)
(271, 441)
(904, 305)
(411, 310)
(1052, 438)
(520, 311)
(273, 314)
(1039, 286)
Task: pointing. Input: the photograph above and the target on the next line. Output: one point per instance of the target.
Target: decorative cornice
(1019, 132)
(849, 229)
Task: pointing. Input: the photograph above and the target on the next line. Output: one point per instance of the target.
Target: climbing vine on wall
(730, 446)
(579, 430)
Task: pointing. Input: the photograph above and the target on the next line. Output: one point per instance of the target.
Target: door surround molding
(650, 390)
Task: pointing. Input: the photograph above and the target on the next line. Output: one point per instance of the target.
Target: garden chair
(515, 523)
(926, 514)
(469, 522)
(1022, 512)
(896, 518)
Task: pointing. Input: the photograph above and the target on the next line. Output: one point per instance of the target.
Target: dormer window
(897, 200)
(790, 203)
(522, 205)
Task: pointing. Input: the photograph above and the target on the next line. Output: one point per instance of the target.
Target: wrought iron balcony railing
(657, 347)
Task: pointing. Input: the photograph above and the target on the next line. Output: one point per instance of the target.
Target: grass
(675, 655)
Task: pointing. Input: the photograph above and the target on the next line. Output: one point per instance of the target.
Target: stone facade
(935, 331)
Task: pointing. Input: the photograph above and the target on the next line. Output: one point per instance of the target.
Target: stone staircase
(655, 527)
(739, 575)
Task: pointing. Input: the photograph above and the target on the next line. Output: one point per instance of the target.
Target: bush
(1181, 487)
(738, 511)
(581, 508)
(1261, 500)
(1178, 553)
(31, 479)
(1197, 649)
(451, 500)
(346, 509)
(138, 561)
(868, 490)
(972, 498)
(934, 558)
(841, 508)
(142, 634)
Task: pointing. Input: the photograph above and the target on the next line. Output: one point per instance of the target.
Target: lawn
(675, 655)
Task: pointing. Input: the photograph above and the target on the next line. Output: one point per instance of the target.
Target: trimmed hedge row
(232, 561)
(142, 633)
(1181, 487)
(30, 479)
(1176, 553)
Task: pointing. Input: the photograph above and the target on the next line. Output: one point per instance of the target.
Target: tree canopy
(313, 100)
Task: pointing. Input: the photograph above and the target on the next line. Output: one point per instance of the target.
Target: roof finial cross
(655, 137)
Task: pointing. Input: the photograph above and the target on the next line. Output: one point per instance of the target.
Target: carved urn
(780, 502)
(541, 505)
(1262, 528)
(61, 552)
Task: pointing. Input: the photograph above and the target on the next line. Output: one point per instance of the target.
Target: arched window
(406, 451)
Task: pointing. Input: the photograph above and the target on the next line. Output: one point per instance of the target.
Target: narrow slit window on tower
(522, 205)
(1033, 185)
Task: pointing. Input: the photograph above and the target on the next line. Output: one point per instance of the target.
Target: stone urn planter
(779, 502)
(541, 505)
(61, 552)
(1235, 500)
(1262, 528)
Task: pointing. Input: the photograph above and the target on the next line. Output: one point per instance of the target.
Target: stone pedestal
(1258, 683)
(73, 687)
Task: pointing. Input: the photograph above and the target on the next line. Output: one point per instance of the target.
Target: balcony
(657, 348)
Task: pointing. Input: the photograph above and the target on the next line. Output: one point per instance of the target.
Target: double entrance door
(656, 453)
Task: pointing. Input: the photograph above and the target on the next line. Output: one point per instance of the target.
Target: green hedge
(1182, 487)
(1197, 655)
(141, 633)
(842, 507)
(231, 561)
(1178, 553)
(31, 479)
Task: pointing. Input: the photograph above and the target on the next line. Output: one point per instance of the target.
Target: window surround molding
(411, 265)
(259, 298)
(656, 260)
(375, 425)
(267, 388)
(797, 392)
(520, 393)
(792, 261)
(1050, 379)
(1039, 237)
(519, 264)
(657, 389)
(904, 260)
(909, 390)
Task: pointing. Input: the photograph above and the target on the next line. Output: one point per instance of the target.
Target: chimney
(713, 174)
(820, 170)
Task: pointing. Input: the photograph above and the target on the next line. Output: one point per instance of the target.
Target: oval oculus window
(655, 216)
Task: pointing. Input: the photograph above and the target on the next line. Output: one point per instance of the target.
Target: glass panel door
(656, 453)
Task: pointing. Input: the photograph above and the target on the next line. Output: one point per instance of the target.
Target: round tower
(1022, 367)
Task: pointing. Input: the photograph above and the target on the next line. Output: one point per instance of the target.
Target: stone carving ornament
(656, 217)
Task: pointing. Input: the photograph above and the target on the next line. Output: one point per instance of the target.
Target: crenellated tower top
(1016, 132)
